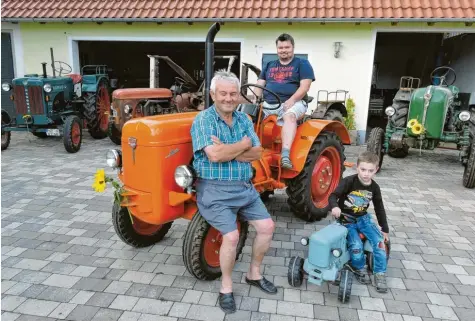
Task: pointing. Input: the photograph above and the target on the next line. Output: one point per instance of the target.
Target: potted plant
(350, 121)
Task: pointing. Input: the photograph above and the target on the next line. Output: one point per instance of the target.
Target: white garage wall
(463, 62)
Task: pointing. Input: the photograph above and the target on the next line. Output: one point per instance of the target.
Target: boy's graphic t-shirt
(354, 198)
(284, 80)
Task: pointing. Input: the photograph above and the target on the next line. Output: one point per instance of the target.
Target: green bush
(350, 119)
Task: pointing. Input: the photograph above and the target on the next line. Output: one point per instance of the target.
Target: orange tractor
(157, 179)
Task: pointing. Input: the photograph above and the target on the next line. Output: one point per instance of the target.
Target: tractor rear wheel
(114, 134)
(72, 134)
(375, 144)
(96, 110)
(202, 245)
(308, 192)
(135, 232)
(399, 119)
(469, 172)
(6, 136)
(334, 114)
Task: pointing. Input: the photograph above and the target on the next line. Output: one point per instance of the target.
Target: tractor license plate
(53, 132)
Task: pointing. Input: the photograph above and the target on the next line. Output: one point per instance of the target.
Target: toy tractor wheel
(344, 288)
(375, 144)
(370, 256)
(468, 173)
(334, 114)
(202, 245)
(309, 191)
(135, 232)
(96, 110)
(6, 136)
(295, 272)
(72, 136)
(114, 134)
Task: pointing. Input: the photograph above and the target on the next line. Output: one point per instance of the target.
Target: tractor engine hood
(180, 71)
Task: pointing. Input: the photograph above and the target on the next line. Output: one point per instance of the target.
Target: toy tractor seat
(77, 78)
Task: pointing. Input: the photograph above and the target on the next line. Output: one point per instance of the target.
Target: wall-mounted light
(337, 45)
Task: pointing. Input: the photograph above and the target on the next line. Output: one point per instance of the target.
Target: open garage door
(7, 70)
(130, 63)
(417, 55)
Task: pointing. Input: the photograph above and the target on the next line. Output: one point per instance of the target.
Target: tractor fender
(308, 132)
(90, 82)
(6, 117)
(322, 109)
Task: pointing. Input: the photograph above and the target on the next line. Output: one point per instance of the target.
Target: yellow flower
(99, 181)
(412, 122)
(417, 129)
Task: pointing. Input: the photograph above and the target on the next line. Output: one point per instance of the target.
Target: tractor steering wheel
(67, 68)
(258, 99)
(443, 77)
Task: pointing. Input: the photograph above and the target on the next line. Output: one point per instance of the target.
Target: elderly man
(290, 78)
(224, 145)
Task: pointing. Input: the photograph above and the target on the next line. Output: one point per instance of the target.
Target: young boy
(352, 198)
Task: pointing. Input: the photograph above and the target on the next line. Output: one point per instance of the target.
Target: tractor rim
(144, 228)
(325, 176)
(103, 104)
(212, 245)
(75, 133)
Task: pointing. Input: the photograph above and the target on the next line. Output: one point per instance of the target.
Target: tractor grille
(32, 98)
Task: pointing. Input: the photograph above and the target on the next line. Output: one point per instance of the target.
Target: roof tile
(255, 9)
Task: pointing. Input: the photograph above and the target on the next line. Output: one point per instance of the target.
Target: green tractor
(59, 106)
(422, 118)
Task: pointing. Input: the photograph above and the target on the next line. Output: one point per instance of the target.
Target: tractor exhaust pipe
(44, 70)
(209, 60)
(52, 62)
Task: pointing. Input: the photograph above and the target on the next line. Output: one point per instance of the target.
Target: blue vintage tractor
(59, 106)
(329, 259)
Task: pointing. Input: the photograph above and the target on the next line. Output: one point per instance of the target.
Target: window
(268, 57)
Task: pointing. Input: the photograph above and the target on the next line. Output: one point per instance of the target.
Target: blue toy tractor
(329, 259)
(59, 106)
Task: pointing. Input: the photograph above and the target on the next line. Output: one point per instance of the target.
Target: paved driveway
(62, 260)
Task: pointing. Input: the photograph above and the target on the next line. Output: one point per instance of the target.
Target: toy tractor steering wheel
(67, 68)
(444, 76)
(258, 99)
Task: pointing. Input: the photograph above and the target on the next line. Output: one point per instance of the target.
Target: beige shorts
(298, 109)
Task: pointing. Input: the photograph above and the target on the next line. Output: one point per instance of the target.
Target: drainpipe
(209, 59)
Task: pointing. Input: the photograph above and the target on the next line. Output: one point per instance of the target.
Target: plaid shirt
(207, 123)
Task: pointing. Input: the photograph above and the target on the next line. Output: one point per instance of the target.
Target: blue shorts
(220, 201)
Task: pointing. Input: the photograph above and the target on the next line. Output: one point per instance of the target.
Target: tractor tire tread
(375, 143)
(124, 229)
(90, 114)
(114, 134)
(67, 139)
(399, 119)
(469, 172)
(295, 271)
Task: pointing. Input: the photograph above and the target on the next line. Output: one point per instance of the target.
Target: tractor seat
(77, 78)
(310, 99)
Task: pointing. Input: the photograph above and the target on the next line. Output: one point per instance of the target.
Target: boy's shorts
(298, 109)
(220, 201)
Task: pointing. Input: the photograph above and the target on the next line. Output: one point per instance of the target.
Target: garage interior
(417, 55)
(129, 64)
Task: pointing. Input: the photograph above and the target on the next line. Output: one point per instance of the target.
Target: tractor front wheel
(6, 136)
(469, 172)
(202, 245)
(114, 134)
(72, 136)
(135, 232)
(308, 192)
(375, 144)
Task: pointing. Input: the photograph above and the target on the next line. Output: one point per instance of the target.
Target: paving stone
(62, 311)
(370, 315)
(205, 313)
(83, 313)
(442, 312)
(36, 307)
(101, 299)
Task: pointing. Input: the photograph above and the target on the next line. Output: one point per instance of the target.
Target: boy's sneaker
(362, 276)
(380, 280)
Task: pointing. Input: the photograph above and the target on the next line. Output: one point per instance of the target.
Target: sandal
(285, 162)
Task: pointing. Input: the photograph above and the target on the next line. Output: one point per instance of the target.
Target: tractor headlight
(47, 88)
(114, 158)
(464, 115)
(184, 176)
(390, 111)
(6, 86)
(304, 241)
(127, 109)
(336, 252)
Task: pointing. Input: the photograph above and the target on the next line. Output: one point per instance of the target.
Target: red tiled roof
(229, 10)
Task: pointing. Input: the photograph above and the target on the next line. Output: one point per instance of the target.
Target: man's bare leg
(227, 258)
(288, 134)
(265, 230)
